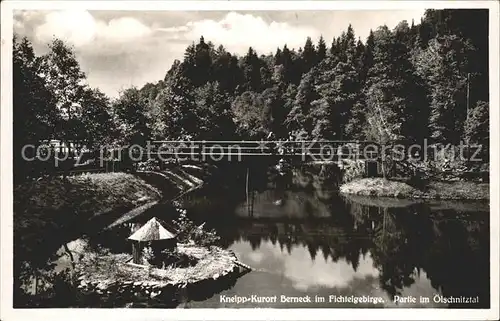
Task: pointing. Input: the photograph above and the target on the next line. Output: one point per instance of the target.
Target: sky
(120, 49)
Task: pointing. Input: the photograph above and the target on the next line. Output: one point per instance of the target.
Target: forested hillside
(413, 82)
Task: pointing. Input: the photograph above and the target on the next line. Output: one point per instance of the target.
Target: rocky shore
(115, 279)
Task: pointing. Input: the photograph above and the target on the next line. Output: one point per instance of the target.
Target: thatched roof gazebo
(153, 234)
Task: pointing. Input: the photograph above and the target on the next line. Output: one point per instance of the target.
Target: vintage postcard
(245, 160)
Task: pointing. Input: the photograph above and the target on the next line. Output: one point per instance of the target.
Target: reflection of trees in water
(403, 238)
(38, 284)
(40, 281)
(320, 180)
(450, 247)
(458, 259)
(397, 244)
(317, 236)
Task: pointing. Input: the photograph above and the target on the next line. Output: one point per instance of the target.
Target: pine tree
(203, 63)
(321, 49)
(358, 57)
(287, 62)
(250, 66)
(347, 44)
(368, 56)
(189, 62)
(309, 55)
(278, 60)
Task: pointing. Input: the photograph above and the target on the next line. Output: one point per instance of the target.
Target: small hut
(152, 234)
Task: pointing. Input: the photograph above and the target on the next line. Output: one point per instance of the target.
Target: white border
(8, 313)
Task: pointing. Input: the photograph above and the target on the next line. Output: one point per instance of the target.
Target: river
(307, 241)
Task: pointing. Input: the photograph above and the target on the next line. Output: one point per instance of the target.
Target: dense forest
(419, 80)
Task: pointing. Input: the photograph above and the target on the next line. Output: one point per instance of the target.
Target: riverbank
(49, 205)
(54, 202)
(379, 187)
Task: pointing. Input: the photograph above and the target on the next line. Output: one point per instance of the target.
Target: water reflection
(315, 242)
(317, 245)
(297, 273)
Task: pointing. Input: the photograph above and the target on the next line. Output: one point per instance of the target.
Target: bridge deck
(325, 150)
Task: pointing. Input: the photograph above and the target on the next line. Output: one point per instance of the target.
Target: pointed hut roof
(151, 231)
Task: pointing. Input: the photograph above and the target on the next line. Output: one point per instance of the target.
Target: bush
(148, 257)
(352, 171)
(182, 260)
(189, 232)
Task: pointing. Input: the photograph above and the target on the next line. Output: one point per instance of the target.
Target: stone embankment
(215, 270)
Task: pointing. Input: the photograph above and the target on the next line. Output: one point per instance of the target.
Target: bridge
(329, 151)
(75, 159)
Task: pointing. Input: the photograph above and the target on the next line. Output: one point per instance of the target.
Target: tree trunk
(36, 284)
(71, 258)
(383, 169)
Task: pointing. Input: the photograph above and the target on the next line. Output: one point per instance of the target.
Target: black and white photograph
(289, 158)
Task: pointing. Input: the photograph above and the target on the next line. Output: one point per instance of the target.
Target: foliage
(188, 231)
(413, 82)
(380, 187)
(215, 120)
(147, 256)
(35, 115)
(444, 65)
(53, 101)
(130, 111)
(353, 171)
(476, 125)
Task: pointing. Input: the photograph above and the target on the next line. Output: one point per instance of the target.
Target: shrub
(189, 232)
(352, 170)
(147, 256)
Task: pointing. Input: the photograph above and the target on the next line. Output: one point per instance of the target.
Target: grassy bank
(91, 194)
(54, 200)
(380, 187)
(51, 205)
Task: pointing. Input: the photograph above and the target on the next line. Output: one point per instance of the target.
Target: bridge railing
(343, 149)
